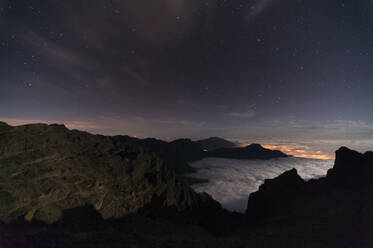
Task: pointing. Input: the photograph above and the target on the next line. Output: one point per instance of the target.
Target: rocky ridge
(46, 169)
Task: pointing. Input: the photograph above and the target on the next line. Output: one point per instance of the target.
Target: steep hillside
(45, 169)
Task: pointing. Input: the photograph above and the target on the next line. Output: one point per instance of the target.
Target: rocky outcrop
(336, 209)
(254, 151)
(46, 169)
(352, 172)
(351, 168)
(274, 194)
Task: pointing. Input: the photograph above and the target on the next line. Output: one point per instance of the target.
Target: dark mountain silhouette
(214, 143)
(254, 151)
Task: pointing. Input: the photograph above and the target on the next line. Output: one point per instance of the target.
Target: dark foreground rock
(335, 211)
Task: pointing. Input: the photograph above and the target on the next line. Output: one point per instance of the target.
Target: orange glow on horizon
(301, 153)
(297, 151)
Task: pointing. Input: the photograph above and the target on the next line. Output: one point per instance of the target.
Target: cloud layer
(231, 181)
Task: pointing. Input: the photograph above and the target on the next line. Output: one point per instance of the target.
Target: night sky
(295, 74)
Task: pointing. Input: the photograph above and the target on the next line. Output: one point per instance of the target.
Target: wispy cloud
(248, 114)
(50, 50)
(244, 114)
(258, 7)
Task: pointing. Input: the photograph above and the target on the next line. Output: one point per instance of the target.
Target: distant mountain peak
(253, 151)
(256, 146)
(214, 143)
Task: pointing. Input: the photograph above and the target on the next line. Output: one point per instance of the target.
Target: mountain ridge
(253, 151)
(47, 168)
(214, 143)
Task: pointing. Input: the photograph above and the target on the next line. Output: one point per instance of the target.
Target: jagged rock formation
(337, 209)
(45, 169)
(214, 143)
(274, 194)
(351, 168)
(254, 151)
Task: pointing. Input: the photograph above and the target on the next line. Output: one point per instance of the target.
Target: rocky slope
(46, 169)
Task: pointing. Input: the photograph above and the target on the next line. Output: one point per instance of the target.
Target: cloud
(139, 78)
(258, 7)
(155, 23)
(162, 29)
(248, 114)
(50, 50)
(231, 181)
(289, 127)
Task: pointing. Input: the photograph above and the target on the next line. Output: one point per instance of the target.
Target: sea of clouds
(231, 180)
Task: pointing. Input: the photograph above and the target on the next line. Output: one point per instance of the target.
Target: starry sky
(294, 74)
